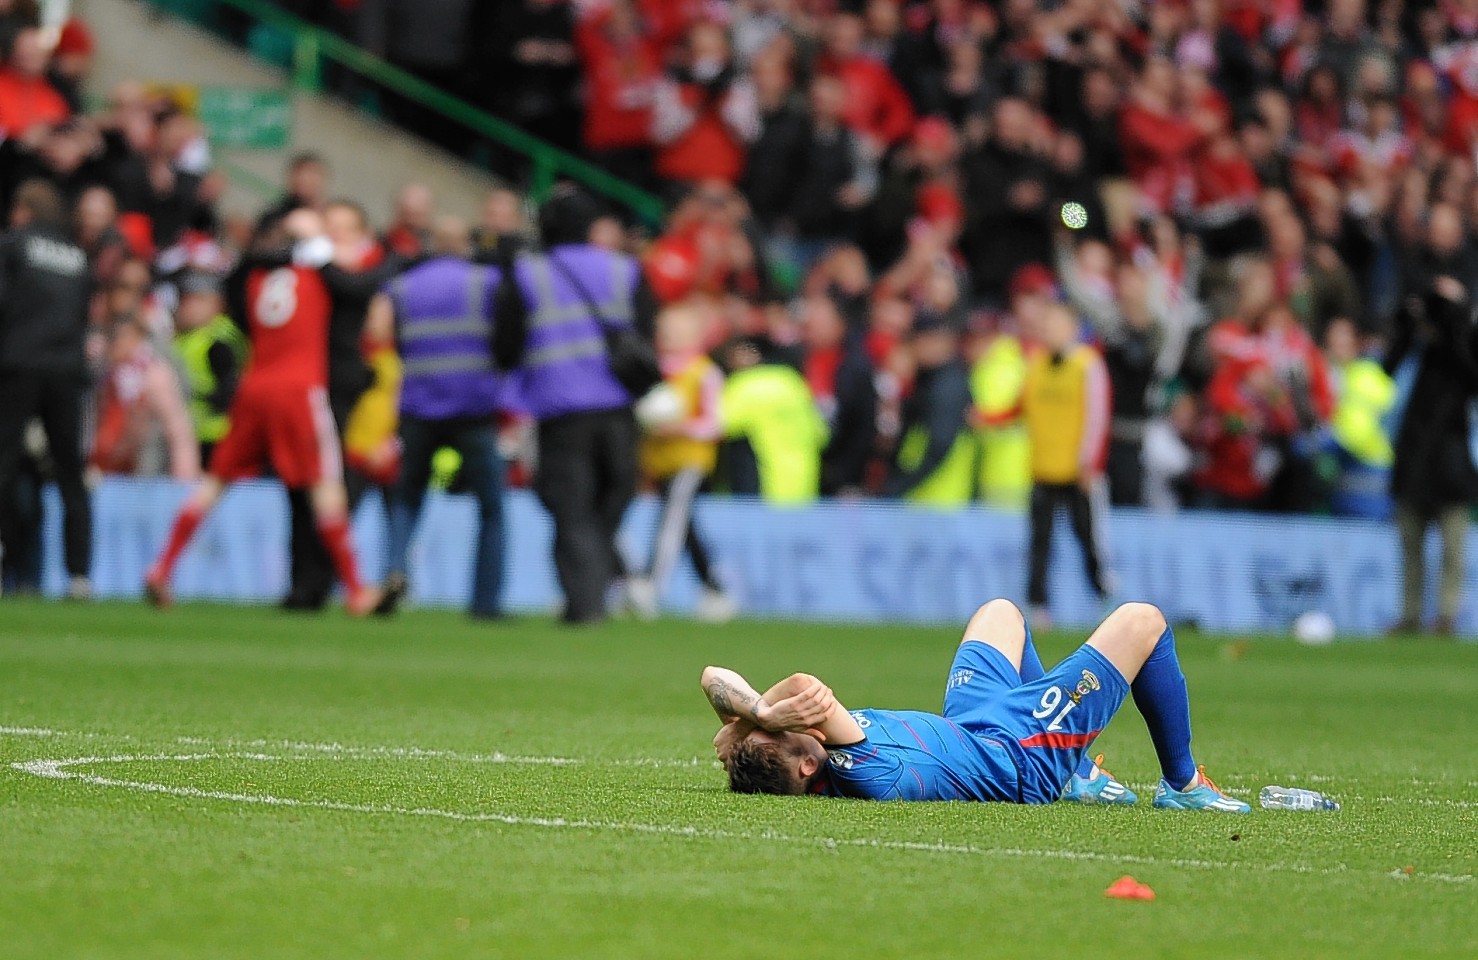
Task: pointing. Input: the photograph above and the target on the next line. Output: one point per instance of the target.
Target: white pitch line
(1422, 801)
(61, 770)
(37, 732)
(341, 751)
(344, 751)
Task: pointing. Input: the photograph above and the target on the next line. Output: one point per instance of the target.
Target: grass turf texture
(100, 871)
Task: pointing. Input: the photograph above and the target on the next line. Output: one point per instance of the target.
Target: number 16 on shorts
(1052, 698)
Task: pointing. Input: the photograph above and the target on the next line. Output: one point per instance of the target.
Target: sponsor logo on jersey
(841, 759)
(959, 678)
(862, 721)
(1085, 686)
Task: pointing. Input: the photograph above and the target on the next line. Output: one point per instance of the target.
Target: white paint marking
(62, 770)
(341, 751)
(1422, 801)
(367, 753)
(37, 732)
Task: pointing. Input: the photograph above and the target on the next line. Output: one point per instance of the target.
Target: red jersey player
(281, 415)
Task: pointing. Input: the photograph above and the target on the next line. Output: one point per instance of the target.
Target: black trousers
(1082, 510)
(586, 480)
(57, 400)
(311, 571)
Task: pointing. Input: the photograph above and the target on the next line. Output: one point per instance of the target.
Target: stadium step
(369, 159)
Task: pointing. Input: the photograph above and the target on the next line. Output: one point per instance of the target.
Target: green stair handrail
(311, 45)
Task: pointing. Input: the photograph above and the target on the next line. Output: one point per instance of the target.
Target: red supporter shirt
(28, 101)
(289, 311)
(877, 107)
(1157, 151)
(619, 83)
(706, 149)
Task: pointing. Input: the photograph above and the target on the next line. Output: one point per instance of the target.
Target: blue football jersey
(909, 755)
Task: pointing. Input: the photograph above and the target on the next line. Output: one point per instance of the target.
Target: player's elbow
(710, 674)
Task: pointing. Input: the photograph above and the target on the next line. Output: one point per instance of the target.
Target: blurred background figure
(441, 315)
(212, 350)
(776, 434)
(1435, 481)
(935, 461)
(140, 405)
(840, 375)
(679, 451)
(45, 285)
(1066, 406)
(502, 228)
(409, 233)
(552, 326)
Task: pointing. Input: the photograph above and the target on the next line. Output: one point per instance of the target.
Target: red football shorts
(292, 427)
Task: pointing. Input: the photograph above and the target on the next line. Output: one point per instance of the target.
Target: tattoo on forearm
(722, 695)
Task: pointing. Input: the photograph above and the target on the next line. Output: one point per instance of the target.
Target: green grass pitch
(223, 783)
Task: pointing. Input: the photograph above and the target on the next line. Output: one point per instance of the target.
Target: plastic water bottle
(1294, 798)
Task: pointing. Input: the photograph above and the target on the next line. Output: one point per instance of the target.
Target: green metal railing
(310, 46)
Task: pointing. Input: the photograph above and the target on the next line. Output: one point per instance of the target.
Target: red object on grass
(1128, 888)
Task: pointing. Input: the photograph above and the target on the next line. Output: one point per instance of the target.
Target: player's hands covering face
(801, 712)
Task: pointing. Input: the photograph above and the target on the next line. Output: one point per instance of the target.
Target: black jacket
(773, 160)
(940, 403)
(1434, 467)
(348, 375)
(829, 165)
(999, 236)
(45, 285)
(853, 423)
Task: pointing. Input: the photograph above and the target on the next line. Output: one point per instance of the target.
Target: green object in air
(446, 463)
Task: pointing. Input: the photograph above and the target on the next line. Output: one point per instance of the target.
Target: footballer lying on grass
(1010, 732)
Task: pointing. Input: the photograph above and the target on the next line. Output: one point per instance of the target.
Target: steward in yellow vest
(770, 406)
(1067, 405)
(996, 382)
(213, 352)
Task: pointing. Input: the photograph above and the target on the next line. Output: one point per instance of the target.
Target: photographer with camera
(577, 325)
(1435, 480)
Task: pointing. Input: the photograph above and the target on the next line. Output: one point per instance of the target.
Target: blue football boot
(1202, 795)
(1100, 789)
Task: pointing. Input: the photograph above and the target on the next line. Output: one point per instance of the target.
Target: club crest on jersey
(1085, 686)
(841, 759)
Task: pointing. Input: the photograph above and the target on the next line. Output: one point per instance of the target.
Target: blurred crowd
(1239, 198)
(1245, 204)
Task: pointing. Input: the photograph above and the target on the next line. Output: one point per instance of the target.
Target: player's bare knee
(998, 622)
(1145, 621)
(1001, 608)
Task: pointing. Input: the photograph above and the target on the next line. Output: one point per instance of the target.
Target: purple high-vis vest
(444, 325)
(565, 369)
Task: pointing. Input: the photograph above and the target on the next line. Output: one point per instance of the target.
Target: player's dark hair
(757, 766)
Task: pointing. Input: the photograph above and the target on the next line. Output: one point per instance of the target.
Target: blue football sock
(1160, 694)
(1031, 663)
(1031, 669)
